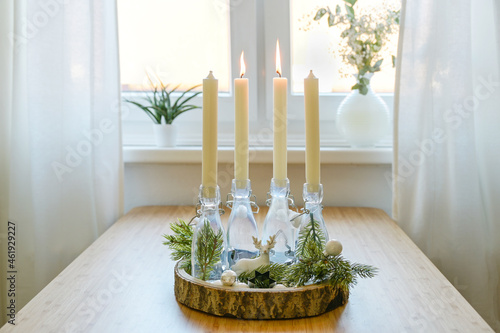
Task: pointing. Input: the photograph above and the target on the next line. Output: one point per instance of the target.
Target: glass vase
(277, 223)
(363, 120)
(313, 222)
(241, 225)
(207, 229)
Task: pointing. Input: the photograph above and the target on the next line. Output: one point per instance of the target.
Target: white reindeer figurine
(249, 265)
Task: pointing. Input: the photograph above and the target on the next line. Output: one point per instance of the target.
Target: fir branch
(312, 267)
(299, 273)
(334, 270)
(180, 243)
(311, 241)
(209, 247)
(340, 274)
(364, 271)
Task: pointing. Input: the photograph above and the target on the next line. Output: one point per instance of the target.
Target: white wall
(177, 184)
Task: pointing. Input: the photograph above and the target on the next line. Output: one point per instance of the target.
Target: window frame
(254, 26)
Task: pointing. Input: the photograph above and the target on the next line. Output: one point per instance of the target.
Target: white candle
(209, 153)
(311, 102)
(279, 122)
(241, 127)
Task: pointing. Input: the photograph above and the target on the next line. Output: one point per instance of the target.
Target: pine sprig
(334, 270)
(180, 243)
(311, 241)
(364, 271)
(209, 247)
(312, 266)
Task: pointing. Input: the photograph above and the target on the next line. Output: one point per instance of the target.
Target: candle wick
(241, 76)
(278, 73)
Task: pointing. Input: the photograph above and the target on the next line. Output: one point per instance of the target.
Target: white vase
(363, 120)
(165, 135)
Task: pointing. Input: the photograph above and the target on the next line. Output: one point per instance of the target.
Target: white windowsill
(296, 155)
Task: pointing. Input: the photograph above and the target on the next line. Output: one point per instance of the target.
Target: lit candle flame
(242, 65)
(278, 58)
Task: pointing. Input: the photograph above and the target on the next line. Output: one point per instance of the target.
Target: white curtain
(60, 142)
(447, 142)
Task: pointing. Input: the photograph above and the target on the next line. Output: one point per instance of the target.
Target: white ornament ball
(241, 212)
(295, 223)
(279, 286)
(333, 247)
(228, 278)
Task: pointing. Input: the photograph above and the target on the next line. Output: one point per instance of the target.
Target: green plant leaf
(319, 14)
(350, 11)
(364, 81)
(160, 102)
(363, 90)
(351, 2)
(338, 10)
(331, 20)
(185, 108)
(180, 99)
(393, 61)
(156, 119)
(187, 100)
(378, 64)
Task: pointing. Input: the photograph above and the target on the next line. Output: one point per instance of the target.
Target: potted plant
(161, 106)
(362, 117)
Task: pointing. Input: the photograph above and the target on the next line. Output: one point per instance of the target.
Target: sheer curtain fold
(6, 60)
(65, 138)
(446, 180)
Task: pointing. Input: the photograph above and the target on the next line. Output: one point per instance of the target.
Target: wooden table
(124, 283)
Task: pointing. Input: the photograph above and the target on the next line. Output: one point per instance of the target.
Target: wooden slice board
(249, 303)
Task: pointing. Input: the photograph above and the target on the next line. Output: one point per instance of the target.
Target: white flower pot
(165, 134)
(363, 120)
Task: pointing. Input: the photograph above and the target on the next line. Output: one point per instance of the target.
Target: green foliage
(180, 243)
(209, 247)
(334, 270)
(363, 37)
(160, 103)
(311, 241)
(313, 266)
(321, 12)
(277, 272)
(350, 11)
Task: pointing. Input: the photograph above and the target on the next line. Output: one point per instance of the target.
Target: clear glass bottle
(209, 201)
(241, 226)
(313, 208)
(277, 222)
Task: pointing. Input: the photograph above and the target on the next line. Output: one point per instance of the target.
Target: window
(315, 45)
(158, 41)
(182, 45)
